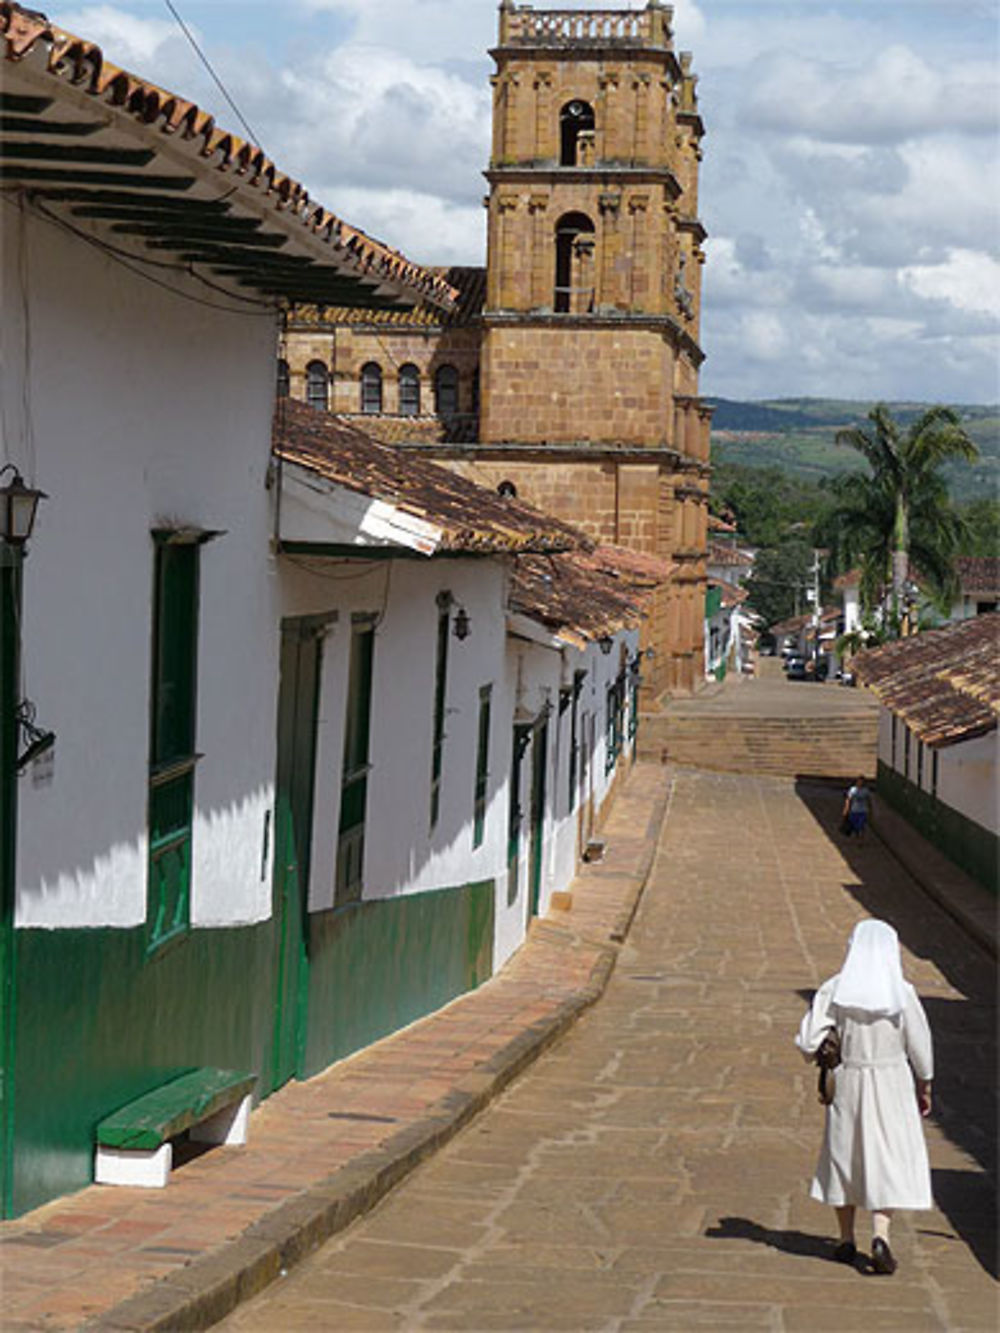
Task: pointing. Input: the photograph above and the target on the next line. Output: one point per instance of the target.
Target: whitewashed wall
(967, 780)
(146, 410)
(967, 772)
(402, 853)
(537, 673)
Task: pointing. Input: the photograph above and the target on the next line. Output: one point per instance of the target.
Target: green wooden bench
(133, 1143)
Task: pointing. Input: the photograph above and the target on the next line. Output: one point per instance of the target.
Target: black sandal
(883, 1260)
(846, 1252)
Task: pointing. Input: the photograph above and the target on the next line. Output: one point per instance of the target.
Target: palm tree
(904, 504)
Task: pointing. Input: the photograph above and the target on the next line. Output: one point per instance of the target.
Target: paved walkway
(323, 1151)
(649, 1173)
(771, 694)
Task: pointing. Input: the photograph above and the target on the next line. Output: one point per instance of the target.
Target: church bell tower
(590, 331)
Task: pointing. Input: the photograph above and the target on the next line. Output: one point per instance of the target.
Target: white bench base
(142, 1168)
(230, 1125)
(150, 1169)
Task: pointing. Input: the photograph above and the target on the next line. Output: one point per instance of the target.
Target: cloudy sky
(850, 184)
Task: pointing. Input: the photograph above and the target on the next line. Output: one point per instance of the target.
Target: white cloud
(125, 38)
(966, 279)
(372, 117)
(431, 230)
(890, 97)
(850, 152)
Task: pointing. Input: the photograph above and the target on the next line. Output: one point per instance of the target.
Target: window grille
(371, 388)
(317, 386)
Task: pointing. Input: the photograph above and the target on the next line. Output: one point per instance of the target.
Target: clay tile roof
(721, 553)
(473, 520)
(792, 624)
(979, 573)
(468, 284)
(733, 596)
(576, 594)
(943, 683)
(211, 177)
(851, 579)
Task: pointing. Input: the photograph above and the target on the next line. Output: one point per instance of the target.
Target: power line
(208, 65)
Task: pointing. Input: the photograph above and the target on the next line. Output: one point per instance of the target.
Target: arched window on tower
(576, 134)
(371, 388)
(409, 390)
(317, 386)
(284, 378)
(446, 391)
(574, 293)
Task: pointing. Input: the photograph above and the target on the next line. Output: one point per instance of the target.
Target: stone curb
(211, 1287)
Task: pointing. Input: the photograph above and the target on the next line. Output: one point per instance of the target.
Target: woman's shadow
(799, 1243)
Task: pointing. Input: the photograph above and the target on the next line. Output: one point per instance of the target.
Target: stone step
(831, 746)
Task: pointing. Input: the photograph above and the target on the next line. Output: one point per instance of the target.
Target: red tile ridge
(81, 62)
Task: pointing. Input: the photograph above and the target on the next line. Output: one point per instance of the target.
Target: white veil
(872, 975)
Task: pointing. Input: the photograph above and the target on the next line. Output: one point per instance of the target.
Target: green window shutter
(354, 779)
(172, 739)
(440, 696)
(482, 764)
(522, 739)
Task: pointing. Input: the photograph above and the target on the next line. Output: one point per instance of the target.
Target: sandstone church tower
(570, 369)
(589, 356)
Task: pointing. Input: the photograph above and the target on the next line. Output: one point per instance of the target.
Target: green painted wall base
(99, 1022)
(376, 966)
(968, 844)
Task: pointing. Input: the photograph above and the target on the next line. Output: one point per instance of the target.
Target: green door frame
(539, 757)
(298, 710)
(10, 600)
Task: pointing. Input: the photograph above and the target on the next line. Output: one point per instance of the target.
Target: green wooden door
(539, 753)
(298, 696)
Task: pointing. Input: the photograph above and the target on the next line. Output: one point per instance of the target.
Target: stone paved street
(651, 1171)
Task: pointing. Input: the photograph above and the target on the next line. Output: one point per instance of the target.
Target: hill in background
(797, 435)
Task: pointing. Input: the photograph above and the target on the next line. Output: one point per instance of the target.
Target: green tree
(903, 506)
(982, 526)
(781, 575)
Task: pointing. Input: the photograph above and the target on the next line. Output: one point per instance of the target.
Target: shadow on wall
(965, 1030)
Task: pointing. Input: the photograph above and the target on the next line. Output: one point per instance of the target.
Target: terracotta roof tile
(979, 573)
(474, 520)
(469, 285)
(793, 624)
(577, 595)
(71, 60)
(944, 683)
(721, 553)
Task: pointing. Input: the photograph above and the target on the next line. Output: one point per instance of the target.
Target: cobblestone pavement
(651, 1171)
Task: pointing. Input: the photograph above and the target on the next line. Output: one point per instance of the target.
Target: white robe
(874, 1155)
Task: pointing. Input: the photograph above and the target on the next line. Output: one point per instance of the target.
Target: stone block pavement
(324, 1151)
(647, 1173)
(650, 1171)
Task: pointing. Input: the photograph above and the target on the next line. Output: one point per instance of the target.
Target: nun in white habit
(873, 1154)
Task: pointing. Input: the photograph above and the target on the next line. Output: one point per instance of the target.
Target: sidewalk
(322, 1152)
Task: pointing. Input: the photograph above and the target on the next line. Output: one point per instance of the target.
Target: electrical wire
(208, 65)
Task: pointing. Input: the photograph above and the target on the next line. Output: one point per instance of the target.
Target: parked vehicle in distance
(795, 668)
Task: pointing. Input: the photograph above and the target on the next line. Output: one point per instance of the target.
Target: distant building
(569, 371)
(979, 586)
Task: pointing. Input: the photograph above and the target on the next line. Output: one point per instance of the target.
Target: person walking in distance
(873, 1155)
(857, 808)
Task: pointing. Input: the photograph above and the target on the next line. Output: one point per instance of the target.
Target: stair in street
(767, 726)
